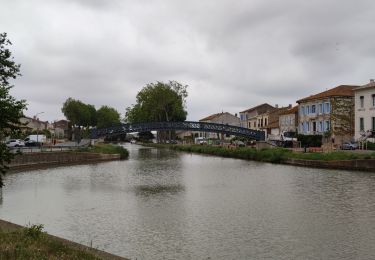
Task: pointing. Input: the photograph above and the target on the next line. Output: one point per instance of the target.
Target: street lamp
(37, 128)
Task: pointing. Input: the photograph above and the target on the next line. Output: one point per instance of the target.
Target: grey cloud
(232, 54)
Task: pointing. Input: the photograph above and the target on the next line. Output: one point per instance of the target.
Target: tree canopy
(158, 102)
(107, 116)
(79, 113)
(11, 110)
(84, 115)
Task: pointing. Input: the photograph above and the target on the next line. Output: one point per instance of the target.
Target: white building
(364, 111)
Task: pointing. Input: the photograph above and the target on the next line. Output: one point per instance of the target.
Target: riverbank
(331, 160)
(29, 161)
(17, 242)
(95, 154)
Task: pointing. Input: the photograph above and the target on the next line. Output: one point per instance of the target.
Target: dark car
(32, 143)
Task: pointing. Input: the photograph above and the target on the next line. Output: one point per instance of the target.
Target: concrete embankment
(49, 159)
(358, 164)
(6, 226)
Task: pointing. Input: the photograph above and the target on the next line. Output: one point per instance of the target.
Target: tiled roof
(262, 106)
(212, 116)
(369, 85)
(290, 111)
(339, 91)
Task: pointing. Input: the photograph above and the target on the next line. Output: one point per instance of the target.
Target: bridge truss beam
(185, 126)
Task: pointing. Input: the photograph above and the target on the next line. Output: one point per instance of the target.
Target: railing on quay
(45, 148)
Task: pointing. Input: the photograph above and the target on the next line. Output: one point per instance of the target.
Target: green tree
(79, 113)
(107, 116)
(158, 102)
(10, 109)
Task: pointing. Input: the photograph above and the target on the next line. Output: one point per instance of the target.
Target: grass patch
(108, 149)
(275, 155)
(32, 243)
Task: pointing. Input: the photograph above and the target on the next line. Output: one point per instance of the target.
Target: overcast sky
(232, 54)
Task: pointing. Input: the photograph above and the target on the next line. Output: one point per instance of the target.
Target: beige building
(249, 118)
(33, 124)
(330, 112)
(219, 118)
(269, 122)
(288, 120)
(365, 111)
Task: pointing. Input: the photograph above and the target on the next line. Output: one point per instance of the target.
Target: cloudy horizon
(233, 54)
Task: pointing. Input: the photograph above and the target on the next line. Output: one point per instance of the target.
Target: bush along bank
(280, 155)
(108, 149)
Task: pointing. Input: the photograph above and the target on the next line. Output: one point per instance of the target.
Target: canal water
(163, 204)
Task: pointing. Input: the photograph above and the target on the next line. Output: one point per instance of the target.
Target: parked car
(32, 143)
(349, 146)
(15, 143)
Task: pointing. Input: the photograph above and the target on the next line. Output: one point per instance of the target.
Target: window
(249, 125)
(314, 126)
(308, 110)
(361, 101)
(308, 126)
(327, 109)
(320, 129)
(313, 109)
(255, 124)
(373, 124)
(327, 126)
(265, 122)
(320, 108)
(361, 124)
(302, 110)
(373, 100)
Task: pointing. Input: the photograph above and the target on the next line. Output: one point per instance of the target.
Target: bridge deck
(186, 125)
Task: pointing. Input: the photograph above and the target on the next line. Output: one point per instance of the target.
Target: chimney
(290, 106)
(371, 80)
(276, 105)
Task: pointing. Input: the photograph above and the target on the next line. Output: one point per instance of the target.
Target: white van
(35, 139)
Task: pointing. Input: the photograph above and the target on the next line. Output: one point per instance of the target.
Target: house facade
(60, 129)
(288, 120)
(269, 122)
(364, 111)
(33, 124)
(219, 118)
(249, 118)
(329, 112)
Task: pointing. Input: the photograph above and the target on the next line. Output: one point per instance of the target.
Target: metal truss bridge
(185, 126)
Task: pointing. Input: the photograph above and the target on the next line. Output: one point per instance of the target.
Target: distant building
(269, 122)
(248, 118)
(60, 129)
(364, 111)
(288, 120)
(328, 112)
(33, 124)
(219, 118)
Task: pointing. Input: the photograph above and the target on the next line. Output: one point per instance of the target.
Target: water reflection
(145, 190)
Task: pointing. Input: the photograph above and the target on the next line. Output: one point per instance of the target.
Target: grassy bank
(32, 243)
(276, 155)
(108, 149)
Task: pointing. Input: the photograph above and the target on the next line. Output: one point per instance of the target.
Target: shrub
(310, 140)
